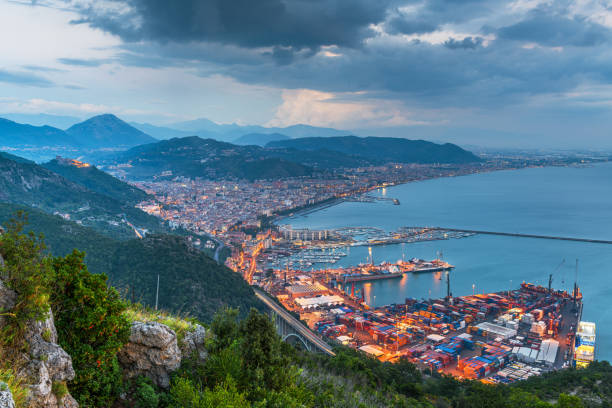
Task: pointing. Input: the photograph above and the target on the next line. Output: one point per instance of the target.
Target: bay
(558, 201)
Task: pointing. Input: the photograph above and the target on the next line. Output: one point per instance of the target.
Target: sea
(571, 201)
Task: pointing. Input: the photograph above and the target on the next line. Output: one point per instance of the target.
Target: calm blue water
(562, 201)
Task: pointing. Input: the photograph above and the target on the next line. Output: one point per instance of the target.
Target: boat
(584, 349)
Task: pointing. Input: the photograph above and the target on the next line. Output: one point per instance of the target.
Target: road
(220, 246)
(295, 323)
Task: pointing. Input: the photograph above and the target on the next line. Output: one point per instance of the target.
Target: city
(305, 204)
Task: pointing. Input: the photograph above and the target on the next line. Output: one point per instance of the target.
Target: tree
(264, 366)
(569, 401)
(27, 272)
(91, 328)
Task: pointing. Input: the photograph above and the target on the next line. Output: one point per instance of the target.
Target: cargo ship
(584, 350)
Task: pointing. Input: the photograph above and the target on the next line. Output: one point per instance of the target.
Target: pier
(520, 235)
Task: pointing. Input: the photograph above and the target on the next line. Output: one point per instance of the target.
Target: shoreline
(333, 201)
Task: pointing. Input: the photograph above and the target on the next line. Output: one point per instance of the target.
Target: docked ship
(584, 351)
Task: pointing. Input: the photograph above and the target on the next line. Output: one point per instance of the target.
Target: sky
(522, 74)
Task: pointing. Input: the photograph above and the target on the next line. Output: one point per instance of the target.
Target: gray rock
(44, 363)
(6, 398)
(42, 338)
(194, 343)
(68, 402)
(152, 351)
(8, 298)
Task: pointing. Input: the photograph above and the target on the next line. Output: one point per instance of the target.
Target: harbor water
(557, 201)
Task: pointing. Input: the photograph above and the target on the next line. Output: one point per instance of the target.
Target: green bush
(92, 328)
(185, 394)
(145, 394)
(27, 272)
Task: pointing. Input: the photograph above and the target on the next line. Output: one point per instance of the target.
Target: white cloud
(38, 105)
(33, 34)
(347, 110)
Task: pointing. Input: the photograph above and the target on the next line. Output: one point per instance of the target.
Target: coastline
(330, 202)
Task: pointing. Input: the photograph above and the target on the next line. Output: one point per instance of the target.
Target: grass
(59, 389)
(20, 393)
(180, 324)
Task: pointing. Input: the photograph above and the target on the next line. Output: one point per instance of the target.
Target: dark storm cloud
(278, 43)
(23, 78)
(246, 23)
(466, 43)
(437, 76)
(429, 16)
(406, 25)
(556, 31)
(83, 62)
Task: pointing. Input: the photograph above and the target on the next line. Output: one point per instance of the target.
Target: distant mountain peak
(107, 130)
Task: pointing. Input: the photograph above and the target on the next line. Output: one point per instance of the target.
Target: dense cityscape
(523, 332)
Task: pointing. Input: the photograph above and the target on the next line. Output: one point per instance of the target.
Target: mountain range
(382, 149)
(251, 152)
(231, 132)
(206, 158)
(13, 134)
(99, 132)
(259, 139)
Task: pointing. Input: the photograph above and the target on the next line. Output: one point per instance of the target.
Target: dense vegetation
(206, 158)
(98, 181)
(247, 364)
(91, 326)
(383, 149)
(190, 281)
(89, 316)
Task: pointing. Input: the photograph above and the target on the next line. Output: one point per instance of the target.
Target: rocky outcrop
(44, 363)
(6, 398)
(194, 343)
(152, 351)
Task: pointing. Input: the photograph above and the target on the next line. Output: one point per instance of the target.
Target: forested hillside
(96, 180)
(190, 281)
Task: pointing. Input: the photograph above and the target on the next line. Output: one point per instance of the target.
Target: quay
(372, 277)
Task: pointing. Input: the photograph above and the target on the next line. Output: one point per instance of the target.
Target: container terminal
(499, 337)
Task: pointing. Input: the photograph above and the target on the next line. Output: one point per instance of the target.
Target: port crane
(550, 277)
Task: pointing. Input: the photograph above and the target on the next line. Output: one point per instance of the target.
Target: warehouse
(495, 330)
